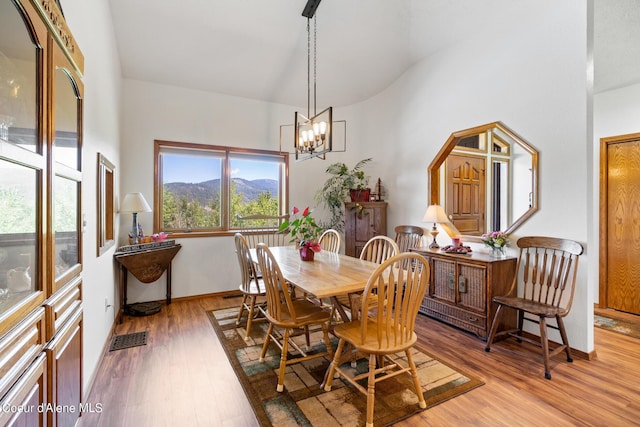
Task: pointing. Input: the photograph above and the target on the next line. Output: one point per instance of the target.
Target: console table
(147, 266)
(461, 288)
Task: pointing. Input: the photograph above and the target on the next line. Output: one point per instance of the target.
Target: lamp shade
(434, 214)
(134, 202)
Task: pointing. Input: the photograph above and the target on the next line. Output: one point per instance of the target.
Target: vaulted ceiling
(258, 48)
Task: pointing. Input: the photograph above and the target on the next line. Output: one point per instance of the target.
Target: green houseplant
(337, 190)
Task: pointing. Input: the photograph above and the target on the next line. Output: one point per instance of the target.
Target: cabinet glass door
(22, 164)
(67, 177)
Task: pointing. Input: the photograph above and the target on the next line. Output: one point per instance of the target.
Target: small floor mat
(120, 342)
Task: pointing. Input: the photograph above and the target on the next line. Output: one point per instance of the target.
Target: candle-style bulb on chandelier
(313, 134)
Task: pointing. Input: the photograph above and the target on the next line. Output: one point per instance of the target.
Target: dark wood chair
(288, 313)
(546, 277)
(397, 294)
(408, 236)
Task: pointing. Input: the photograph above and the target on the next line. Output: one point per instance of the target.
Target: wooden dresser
(461, 288)
(362, 221)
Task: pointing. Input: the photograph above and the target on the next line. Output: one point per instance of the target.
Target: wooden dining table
(327, 276)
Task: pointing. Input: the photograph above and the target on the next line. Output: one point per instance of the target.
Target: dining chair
(397, 293)
(287, 313)
(260, 228)
(408, 236)
(546, 275)
(377, 249)
(330, 240)
(251, 286)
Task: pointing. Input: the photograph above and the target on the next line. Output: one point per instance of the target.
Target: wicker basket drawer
(464, 319)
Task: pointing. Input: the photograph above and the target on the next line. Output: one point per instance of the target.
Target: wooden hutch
(41, 104)
(362, 221)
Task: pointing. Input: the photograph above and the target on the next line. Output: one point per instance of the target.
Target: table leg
(340, 309)
(169, 284)
(123, 290)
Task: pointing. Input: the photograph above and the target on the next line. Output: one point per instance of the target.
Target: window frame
(225, 228)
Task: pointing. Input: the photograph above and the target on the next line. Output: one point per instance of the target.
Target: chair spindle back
(547, 269)
(397, 293)
(247, 266)
(278, 295)
(379, 249)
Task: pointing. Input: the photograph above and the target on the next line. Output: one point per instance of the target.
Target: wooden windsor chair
(408, 236)
(546, 274)
(397, 294)
(261, 228)
(377, 249)
(251, 286)
(287, 313)
(330, 240)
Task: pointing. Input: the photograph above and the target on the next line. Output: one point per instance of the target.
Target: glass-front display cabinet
(41, 95)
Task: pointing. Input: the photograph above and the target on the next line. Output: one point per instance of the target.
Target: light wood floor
(182, 378)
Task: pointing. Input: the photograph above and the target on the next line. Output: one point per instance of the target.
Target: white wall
(91, 25)
(532, 76)
(616, 112)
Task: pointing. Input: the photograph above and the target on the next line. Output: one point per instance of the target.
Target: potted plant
(339, 187)
(304, 231)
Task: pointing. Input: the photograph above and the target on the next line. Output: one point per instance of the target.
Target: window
(201, 190)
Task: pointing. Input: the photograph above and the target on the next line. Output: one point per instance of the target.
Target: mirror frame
(433, 173)
(106, 204)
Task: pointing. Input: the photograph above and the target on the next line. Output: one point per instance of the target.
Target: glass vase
(498, 252)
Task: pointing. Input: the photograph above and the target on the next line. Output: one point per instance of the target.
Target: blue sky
(194, 169)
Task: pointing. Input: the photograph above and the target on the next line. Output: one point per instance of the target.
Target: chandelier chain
(309, 68)
(315, 60)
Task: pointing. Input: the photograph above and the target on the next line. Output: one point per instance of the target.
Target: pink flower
(296, 210)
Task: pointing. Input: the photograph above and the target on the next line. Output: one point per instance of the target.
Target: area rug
(305, 403)
(620, 326)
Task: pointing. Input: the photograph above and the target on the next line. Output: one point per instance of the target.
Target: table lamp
(134, 203)
(435, 214)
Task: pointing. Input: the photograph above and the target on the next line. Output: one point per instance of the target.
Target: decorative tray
(145, 246)
(460, 250)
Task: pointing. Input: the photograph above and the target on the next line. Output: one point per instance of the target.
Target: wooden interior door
(465, 193)
(620, 219)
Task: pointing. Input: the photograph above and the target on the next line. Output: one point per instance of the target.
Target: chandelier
(313, 133)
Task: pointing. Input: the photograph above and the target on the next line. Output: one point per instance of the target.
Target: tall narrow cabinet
(41, 104)
(363, 220)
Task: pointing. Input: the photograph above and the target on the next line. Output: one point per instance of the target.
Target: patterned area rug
(305, 403)
(620, 326)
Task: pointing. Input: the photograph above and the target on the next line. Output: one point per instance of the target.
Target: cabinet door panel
(28, 393)
(65, 371)
(444, 280)
(472, 286)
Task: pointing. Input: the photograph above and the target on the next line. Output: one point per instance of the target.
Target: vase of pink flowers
(305, 232)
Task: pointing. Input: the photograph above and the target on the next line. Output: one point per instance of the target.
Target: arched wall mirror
(486, 179)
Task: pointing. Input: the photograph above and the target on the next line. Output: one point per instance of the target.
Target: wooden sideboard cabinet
(361, 224)
(461, 288)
